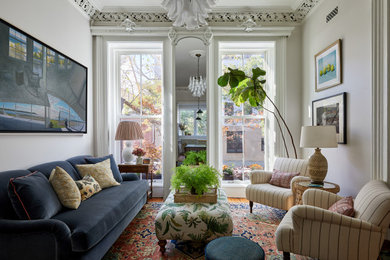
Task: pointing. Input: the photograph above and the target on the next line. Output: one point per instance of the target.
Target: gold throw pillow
(101, 172)
(65, 188)
(88, 186)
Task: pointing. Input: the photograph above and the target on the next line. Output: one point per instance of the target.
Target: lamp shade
(128, 130)
(318, 136)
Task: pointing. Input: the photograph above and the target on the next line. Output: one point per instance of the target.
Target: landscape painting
(331, 111)
(328, 67)
(41, 89)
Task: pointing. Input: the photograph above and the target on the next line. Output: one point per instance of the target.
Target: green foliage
(200, 178)
(243, 87)
(195, 158)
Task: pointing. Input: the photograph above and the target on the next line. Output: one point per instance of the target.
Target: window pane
(130, 84)
(252, 61)
(231, 61)
(187, 120)
(151, 97)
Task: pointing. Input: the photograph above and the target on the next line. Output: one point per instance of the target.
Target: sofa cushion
(88, 186)
(101, 172)
(6, 209)
(282, 179)
(113, 165)
(344, 207)
(65, 188)
(80, 159)
(99, 214)
(32, 197)
(46, 169)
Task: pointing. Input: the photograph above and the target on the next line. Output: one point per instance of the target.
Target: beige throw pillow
(65, 188)
(101, 172)
(88, 186)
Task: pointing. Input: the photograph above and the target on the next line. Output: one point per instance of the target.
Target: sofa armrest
(260, 176)
(130, 177)
(319, 198)
(302, 213)
(34, 239)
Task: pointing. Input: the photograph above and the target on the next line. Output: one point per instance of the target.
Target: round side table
(301, 186)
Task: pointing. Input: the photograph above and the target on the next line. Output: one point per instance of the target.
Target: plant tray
(184, 196)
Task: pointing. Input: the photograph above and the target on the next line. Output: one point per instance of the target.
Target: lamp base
(127, 153)
(318, 167)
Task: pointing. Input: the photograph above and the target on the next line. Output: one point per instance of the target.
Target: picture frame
(41, 89)
(328, 67)
(331, 111)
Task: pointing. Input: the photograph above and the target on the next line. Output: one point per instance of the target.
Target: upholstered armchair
(312, 230)
(260, 191)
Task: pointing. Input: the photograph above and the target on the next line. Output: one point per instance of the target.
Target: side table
(301, 186)
(139, 168)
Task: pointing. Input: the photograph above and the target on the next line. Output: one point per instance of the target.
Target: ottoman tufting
(193, 221)
(231, 248)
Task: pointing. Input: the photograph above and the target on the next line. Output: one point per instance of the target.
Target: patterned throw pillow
(282, 179)
(88, 186)
(344, 207)
(65, 188)
(101, 172)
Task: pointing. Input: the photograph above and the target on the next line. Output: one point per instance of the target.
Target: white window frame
(269, 49)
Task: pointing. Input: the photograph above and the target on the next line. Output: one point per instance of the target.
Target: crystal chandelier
(197, 84)
(191, 13)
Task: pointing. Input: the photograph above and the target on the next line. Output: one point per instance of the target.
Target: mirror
(190, 64)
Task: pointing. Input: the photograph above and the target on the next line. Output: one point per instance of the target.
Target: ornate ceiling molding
(266, 16)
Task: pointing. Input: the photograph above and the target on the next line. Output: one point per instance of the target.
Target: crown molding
(262, 16)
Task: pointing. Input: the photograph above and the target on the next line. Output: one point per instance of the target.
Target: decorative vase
(139, 160)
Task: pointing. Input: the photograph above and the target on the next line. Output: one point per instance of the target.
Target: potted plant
(250, 88)
(195, 158)
(227, 173)
(197, 180)
(139, 152)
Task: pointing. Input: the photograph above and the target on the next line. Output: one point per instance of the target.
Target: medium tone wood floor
(230, 200)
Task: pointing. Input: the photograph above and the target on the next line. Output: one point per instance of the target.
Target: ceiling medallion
(191, 14)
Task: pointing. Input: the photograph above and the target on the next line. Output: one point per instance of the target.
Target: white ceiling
(222, 5)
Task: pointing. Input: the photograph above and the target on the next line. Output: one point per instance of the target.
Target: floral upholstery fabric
(65, 188)
(194, 221)
(101, 172)
(88, 186)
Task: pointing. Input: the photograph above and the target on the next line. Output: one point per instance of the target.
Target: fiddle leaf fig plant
(250, 88)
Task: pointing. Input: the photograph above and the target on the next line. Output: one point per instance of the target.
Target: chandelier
(197, 84)
(191, 13)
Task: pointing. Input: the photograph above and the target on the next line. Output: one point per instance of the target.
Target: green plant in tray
(196, 179)
(195, 158)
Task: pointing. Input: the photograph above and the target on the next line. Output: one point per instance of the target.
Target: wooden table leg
(162, 244)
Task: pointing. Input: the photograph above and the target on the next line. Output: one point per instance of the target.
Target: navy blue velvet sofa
(85, 233)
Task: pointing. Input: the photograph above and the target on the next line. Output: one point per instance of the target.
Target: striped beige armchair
(312, 230)
(261, 191)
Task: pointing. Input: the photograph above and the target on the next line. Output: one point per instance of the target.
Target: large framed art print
(332, 111)
(41, 89)
(328, 67)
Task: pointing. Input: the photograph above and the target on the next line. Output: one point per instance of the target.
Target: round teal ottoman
(230, 248)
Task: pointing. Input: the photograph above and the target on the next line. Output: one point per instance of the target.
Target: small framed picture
(331, 111)
(328, 67)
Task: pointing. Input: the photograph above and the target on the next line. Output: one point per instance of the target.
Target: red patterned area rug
(139, 241)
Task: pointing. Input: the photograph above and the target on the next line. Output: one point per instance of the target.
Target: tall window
(141, 101)
(191, 122)
(243, 127)
(17, 45)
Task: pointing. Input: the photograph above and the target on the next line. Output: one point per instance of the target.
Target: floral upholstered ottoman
(193, 221)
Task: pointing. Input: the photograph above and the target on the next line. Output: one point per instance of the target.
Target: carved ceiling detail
(267, 16)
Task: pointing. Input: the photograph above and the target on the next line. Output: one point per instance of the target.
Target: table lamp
(318, 137)
(128, 130)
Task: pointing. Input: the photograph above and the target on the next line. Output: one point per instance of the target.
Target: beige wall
(349, 164)
(60, 25)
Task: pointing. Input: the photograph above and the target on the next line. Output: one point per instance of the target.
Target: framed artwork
(331, 111)
(41, 89)
(328, 67)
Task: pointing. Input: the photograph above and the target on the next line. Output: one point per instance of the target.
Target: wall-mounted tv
(41, 89)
